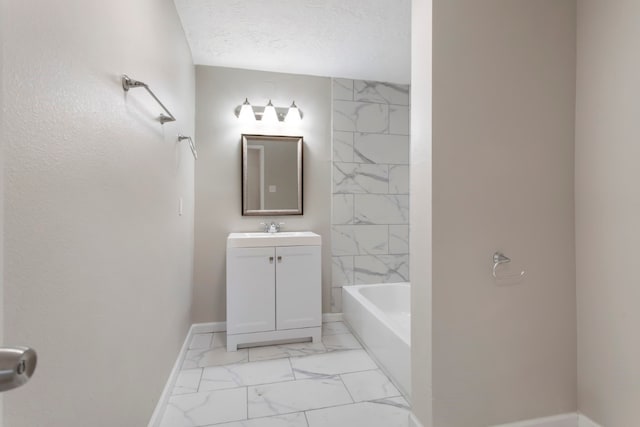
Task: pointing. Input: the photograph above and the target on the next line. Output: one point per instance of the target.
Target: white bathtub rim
(353, 291)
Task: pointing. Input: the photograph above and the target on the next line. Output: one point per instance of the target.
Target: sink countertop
(282, 238)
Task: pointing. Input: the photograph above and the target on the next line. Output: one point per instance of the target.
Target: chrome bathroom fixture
(192, 145)
(248, 112)
(128, 83)
(500, 258)
(274, 227)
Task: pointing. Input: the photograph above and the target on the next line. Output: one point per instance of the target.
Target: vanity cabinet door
(250, 290)
(298, 289)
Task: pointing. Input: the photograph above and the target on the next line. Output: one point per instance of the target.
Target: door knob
(17, 365)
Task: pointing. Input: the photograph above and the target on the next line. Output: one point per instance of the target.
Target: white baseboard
(331, 317)
(413, 421)
(207, 328)
(584, 421)
(156, 417)
(564, 420)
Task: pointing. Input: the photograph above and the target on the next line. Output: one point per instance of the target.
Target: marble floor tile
(332, 363)
(399, 402)
(296, 396)
(341, 342)
(201, 358)
(200, 341)
(290, 420)
(333, 328)
(333, 383)
(365, 414)
(285, 350)
(243, 374)
(369, 385)
(187, 381)
(201, 409)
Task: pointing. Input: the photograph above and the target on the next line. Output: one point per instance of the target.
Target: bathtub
(380, 316)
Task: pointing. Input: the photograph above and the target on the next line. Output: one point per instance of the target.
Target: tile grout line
(347, 388)
(200, 380)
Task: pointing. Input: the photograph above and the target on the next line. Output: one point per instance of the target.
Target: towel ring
(500, 258)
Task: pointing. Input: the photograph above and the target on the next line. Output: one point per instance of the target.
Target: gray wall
(97, 259)
(370, 214)
(218, 172)
(608, 211)
(502, 168)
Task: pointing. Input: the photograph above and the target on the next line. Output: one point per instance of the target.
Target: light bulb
(293, 115)
(270, 115)
(246, 112)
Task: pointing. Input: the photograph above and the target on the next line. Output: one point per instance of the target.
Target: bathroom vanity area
(273, 287)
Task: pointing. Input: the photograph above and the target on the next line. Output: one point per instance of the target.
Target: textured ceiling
(360, 39)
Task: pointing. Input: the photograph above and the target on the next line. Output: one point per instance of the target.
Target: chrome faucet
(274, 227)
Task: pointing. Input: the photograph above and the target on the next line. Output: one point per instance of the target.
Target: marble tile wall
(370, 206)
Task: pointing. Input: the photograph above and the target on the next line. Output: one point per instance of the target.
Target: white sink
(283, 238)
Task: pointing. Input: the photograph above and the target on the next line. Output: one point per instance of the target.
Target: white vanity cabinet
(273, 292)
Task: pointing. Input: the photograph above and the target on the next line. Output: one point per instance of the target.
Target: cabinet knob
(279, 259)
(270, 260)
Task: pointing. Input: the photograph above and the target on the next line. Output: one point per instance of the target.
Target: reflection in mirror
(271, 175)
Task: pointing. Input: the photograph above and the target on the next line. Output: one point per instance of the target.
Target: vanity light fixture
(293, 115)
(246, 112)
(268, 114)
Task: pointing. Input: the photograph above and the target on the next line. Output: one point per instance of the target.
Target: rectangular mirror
(271, 175)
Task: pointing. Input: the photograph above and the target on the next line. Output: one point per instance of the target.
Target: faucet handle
(265, 226)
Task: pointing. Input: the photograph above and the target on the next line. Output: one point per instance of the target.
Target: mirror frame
(245, 194)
